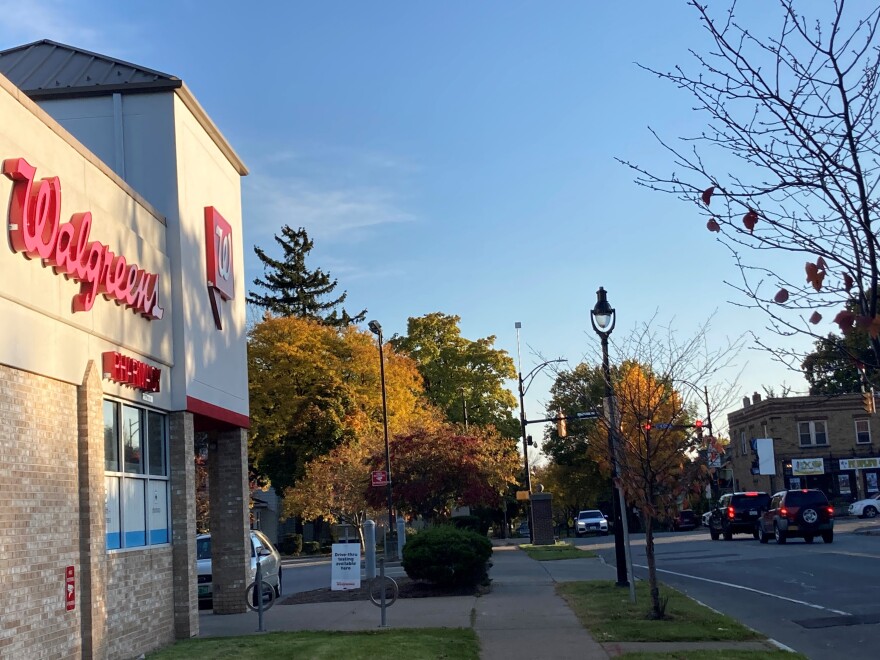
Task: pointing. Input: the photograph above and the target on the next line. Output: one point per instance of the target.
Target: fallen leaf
(781, 296)
(815, 318)
(713, 225)
(707, 195)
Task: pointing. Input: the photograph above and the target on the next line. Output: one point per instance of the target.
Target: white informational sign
(766, 456)
(345, 572)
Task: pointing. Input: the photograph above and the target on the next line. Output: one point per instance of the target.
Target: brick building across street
(824, 442)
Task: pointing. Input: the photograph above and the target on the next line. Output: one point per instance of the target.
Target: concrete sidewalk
(522, 617)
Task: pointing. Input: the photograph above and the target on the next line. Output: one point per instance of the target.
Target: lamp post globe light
(376, 329)
(603, 318)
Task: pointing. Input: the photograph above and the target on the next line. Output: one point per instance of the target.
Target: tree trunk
(656, 613)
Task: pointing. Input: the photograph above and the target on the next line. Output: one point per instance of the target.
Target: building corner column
(181, 449)
(230, 515)
(92, 576)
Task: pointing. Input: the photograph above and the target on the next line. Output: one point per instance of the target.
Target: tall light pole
(603, 318)
(376, 329)
(523, 388)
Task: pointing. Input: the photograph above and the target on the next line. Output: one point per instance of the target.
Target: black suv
(798, 513)
(737, 513)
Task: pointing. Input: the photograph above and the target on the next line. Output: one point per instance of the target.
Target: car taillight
(730, 512)
(830, 510)
(783, 512)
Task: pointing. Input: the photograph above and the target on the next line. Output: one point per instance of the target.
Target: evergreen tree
(292, 290)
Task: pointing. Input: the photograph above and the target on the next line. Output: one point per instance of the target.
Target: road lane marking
(756, 591)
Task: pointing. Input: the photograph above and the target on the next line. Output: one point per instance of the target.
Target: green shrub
(448, 556)
(311, 547)
(473, 523)
(291, 544)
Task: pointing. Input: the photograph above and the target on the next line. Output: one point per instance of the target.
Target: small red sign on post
(380, 478)
(69, 589)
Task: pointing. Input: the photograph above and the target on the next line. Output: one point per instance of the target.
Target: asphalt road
(822, 600)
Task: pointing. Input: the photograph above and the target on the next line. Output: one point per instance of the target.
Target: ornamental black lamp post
(376, 329)
(603, 317)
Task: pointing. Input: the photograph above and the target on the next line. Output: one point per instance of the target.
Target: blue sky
(451, 156)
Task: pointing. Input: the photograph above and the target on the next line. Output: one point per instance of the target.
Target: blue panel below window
(134, 539)
(158, 536)
(112, 540)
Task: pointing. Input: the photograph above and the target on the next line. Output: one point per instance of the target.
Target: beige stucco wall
(41, 333)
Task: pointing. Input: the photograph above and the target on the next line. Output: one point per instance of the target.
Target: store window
(812, 433)
(863, 432)
(136, 476)
(743, 447)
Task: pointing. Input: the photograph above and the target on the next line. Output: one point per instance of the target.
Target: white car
(866, 508)
(270, 564)
(591, 521)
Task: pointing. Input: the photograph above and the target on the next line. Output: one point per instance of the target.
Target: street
(819, 599)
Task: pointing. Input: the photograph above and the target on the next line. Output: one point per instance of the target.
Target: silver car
(261, 547)
(591, 521)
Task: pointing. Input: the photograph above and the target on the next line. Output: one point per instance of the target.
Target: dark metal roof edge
(103, 90)
(88, 52)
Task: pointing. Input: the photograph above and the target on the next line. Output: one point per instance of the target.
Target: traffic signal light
(647, 426)
(561, 429)
(698, 424)
(529, 440)
(868, 402)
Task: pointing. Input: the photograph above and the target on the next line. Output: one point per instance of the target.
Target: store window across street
(136, 476)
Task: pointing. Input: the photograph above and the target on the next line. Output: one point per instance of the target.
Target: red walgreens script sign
(36, 230)
(380, 477)
(218, 253)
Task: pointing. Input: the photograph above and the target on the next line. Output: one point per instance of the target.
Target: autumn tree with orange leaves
(787, 162)
(658, 381)
(314, 387)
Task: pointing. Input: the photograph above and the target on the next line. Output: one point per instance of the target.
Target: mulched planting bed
(408, 589)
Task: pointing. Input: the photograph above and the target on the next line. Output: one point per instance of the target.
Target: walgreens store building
(122, 335)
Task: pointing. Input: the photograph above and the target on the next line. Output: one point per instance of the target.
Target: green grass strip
(606, 611)
(413, 644)
(558, 551)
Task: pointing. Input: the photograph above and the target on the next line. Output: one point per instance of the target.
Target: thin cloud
(24, 22)
(327, 213)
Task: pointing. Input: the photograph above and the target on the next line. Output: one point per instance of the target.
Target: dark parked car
(798, 513)
(737, 513)
(686, 519)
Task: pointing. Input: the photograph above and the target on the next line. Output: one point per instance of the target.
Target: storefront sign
(806, 466)
(128, 371)
(859, 463)
(36, 231)
(218, 246)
